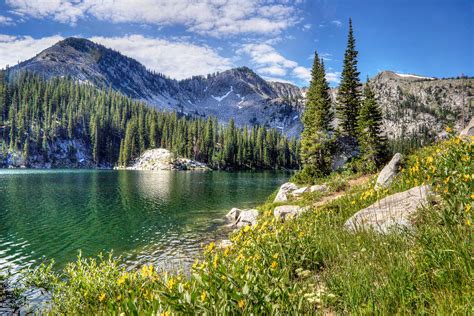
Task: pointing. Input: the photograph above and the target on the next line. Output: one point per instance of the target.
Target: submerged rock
(390, 212)
(285, 189)
(389, 172)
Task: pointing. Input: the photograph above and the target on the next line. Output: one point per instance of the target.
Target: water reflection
(160, 217)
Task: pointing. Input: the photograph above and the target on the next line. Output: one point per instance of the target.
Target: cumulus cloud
(177, 59)
(14, 49)
(336, 23)
(333, 76)
(268, 61)
(216, 17)
(5, 20)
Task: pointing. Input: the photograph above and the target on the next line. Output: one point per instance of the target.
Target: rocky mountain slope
(412, 105)
(236, 93)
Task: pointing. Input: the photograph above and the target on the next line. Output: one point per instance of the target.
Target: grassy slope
(311, 264)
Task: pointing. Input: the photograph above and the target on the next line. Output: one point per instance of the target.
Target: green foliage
(317, 119)
(36, 114)
(372, 143)
(348, 96)
(311, 264)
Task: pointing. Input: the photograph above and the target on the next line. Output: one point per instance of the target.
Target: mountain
(412, 105)
(236, 93)
(417, 105)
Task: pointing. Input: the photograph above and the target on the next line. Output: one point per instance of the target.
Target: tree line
(36, 113)
(359, 119)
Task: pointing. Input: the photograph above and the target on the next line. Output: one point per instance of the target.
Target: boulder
(285, 189)
(390, 212)
(299, 192)
(288, 211)
(319, 188)
(224, 243)
(246, 218)
(469, 129)
(389, 172)
(233, 214)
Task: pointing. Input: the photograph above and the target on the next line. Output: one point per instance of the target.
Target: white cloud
(306, 27)
(5, 20)
(14, 49)
(212, 17)
(337, 23)
(333, 77)
(302, 73)
(177, 59)
(268, 61)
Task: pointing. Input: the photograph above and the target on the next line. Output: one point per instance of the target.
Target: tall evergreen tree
(317, 120)
(373, 144)
(348, 97)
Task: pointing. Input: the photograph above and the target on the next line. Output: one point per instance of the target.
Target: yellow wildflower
(122, 279)
(101, 297)
(171, 283)
(353, 202)
(246, 229)
(215, 261)
(166, 313)
(203, 296)
(448, 129)
(275, 256)
(211, 246)
(468, 222)
(274, 265)
(301, 235)
(241, 304)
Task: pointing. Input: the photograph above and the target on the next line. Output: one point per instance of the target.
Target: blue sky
(276, 38)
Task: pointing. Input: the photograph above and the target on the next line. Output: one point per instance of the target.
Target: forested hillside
(62, 123)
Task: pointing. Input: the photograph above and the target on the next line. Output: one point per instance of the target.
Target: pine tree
(348, 97)
(317, 121)
(373, 145)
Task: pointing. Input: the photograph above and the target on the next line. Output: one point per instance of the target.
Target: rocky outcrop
(394, 211)
(468, 130)
(389, 172)
(246, 218)
(163, 159)
(224, 243)
(284, 212)
(285, 190)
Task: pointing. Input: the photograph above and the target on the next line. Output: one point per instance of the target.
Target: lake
(160, 217)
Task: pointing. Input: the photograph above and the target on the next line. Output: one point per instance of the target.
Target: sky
(276, 38)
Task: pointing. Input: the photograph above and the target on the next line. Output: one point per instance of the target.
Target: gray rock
(390, 212)
(285, 189)
(319, 188)
(225, 243)
(469, 129)
(389, 172)
(247, 217)
(299, 192)
(284, 212)
(233, 214)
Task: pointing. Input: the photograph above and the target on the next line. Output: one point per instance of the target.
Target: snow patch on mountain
(219, 99)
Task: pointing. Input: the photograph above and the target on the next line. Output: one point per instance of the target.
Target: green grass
(309, 265)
